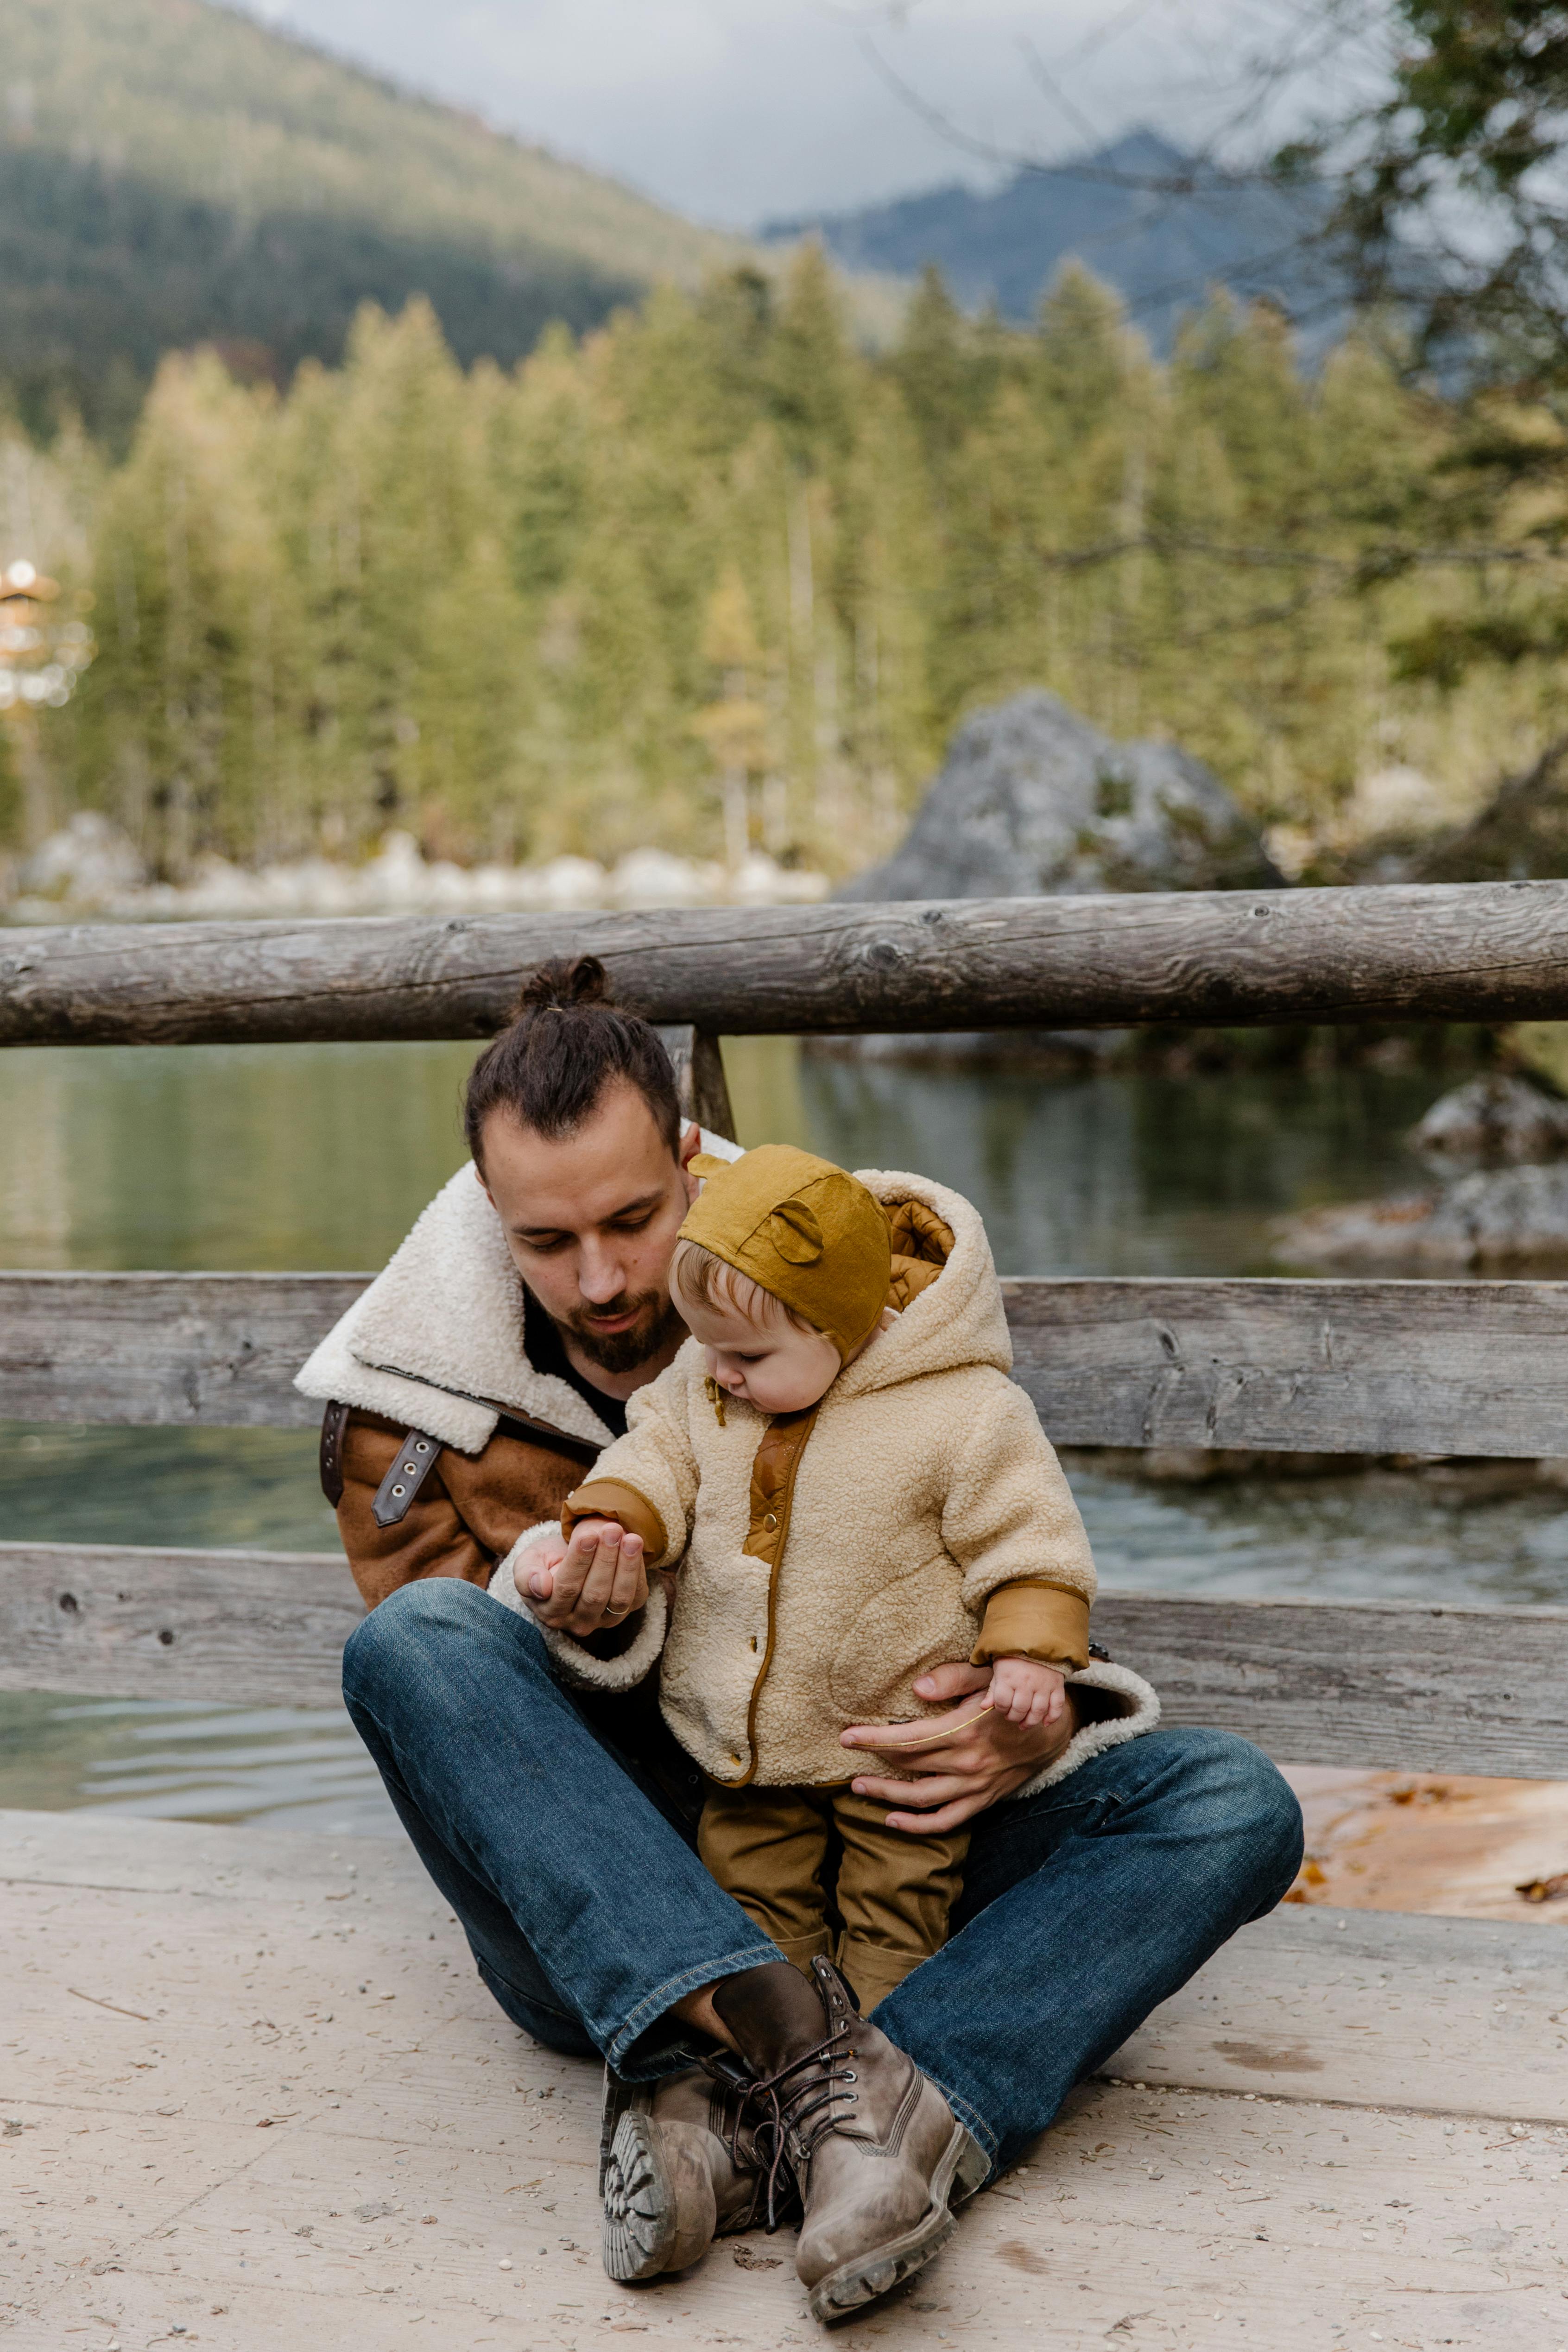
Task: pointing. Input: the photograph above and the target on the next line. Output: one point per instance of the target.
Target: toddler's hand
(1026, 1692)
(533, 1571)
(595, 1579)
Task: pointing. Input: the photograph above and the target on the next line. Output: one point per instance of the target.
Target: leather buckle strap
(411, 1465)
(334, 1422)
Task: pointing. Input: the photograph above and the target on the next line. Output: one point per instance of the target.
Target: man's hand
(597, 1580)
(989, 1758)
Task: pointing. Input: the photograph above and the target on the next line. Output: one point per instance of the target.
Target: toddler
(854, 1492)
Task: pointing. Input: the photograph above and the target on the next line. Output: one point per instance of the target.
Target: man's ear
(690, 1145)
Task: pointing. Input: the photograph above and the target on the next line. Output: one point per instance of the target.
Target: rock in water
(1495, 1217)
(1497, 1121)
(1036, 803)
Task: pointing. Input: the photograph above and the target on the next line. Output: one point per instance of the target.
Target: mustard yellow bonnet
(807, 1231)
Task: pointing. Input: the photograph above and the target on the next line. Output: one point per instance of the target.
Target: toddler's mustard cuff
(612, 1499)
(1032, 1619)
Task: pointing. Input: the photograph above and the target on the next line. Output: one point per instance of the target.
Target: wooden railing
(1284, 1367)
(1418, 1367)
(1486, 951)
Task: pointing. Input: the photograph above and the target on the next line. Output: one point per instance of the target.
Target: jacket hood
(953, 1315)
(436, 1341)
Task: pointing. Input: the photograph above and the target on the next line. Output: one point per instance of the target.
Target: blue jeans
(575, 1876)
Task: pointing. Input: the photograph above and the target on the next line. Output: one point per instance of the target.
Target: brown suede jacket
(439, 1363)
(469, 1509)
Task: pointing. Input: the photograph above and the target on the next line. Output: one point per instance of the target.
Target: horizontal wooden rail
(1298, 1367)
(1292, 1366)
(1361, 1683)
(264, 1628)
(165, 1350)
(1480, 952)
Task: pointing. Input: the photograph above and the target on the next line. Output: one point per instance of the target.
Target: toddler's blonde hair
(709, 1280)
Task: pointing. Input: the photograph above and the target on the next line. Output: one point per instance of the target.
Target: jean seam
(653, 2006)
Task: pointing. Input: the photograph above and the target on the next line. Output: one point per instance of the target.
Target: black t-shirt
(547, 1353)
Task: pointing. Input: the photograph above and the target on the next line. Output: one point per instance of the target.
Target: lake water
(320, 1157)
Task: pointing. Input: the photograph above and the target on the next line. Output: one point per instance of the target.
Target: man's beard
(657, 1327)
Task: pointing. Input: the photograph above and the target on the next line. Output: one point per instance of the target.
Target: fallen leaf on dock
(1545, 1890)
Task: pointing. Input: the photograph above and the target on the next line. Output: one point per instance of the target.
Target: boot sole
(854, 2285)
(619, 2098)
(658, 2207)
(639, 2228)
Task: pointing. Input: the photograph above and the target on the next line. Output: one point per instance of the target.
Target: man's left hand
(989, 1757)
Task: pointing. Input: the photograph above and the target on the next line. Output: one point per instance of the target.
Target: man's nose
(600, 1275)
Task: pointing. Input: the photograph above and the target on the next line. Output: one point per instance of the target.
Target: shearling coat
(828, 1558)
(436, 1346)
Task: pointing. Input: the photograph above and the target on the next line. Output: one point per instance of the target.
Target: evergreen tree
(714, 576)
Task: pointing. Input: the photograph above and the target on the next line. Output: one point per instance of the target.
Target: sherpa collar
(436, 1341)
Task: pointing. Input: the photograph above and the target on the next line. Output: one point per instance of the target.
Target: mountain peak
(1113, 209)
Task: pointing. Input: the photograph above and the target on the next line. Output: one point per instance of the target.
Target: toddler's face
(771, 1365)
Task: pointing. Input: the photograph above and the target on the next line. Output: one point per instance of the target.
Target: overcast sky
(735, 110)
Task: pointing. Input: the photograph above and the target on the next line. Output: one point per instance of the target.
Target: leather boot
(680, 2165)
(876, 2153)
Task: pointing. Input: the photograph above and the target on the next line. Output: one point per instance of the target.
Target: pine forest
(714, 576)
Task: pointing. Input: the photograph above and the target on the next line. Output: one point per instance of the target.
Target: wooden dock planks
(250, 2154)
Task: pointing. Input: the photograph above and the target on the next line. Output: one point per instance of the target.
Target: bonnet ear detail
(707, 1163)
(794, 1231)
(808, 1233)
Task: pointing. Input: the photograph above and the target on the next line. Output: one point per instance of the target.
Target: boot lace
(802, 2099)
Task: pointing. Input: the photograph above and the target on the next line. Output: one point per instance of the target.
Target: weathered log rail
(1486, 951)
(1284, 1367)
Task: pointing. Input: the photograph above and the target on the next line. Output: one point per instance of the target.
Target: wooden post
(700, 1078)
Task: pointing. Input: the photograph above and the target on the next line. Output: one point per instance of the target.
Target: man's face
(591, 1220)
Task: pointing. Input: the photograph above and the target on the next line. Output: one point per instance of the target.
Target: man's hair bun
(562, 983)
(567, 1041)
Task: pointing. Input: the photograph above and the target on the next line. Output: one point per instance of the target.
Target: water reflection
(208, 1488)
(275, 1768)
(1125, 1175)
(1373, 1536)
(237, 1157)
(322, 1156)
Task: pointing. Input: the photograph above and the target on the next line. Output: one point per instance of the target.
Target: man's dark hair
(565, 1044)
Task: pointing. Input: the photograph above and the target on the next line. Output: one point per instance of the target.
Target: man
(467, 1392)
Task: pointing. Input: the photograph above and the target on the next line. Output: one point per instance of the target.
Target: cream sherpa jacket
(827, 1559)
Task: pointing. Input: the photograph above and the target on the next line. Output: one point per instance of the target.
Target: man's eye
(632, 1224)
(542, 1244)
